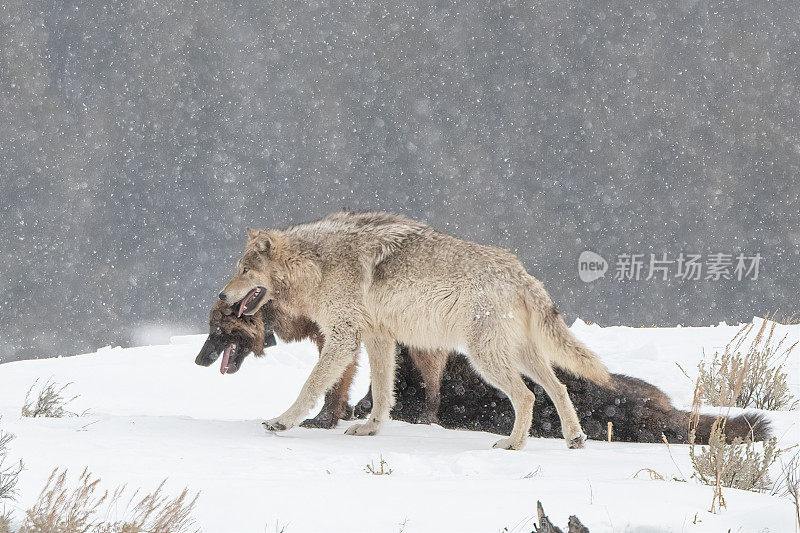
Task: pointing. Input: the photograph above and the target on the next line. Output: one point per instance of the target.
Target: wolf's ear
(259, 238)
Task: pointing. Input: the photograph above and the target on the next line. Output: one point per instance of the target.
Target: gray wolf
(380, 278)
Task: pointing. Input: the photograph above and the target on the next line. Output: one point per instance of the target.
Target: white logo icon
(591, 266)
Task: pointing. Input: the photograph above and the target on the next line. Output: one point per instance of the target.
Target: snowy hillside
(154, 414)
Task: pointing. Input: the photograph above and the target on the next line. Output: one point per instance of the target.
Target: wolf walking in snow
(379, 278)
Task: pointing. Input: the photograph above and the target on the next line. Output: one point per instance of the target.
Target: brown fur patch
(248, 331)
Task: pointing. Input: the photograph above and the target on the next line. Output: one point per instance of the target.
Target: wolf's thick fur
(381, 278)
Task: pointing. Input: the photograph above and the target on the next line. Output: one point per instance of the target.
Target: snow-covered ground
(154, 414)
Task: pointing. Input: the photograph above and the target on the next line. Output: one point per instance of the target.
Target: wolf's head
(234, 338)
(253, 284)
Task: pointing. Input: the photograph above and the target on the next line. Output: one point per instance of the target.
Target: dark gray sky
(137, 142)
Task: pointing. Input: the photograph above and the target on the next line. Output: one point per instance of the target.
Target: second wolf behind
(637, 410)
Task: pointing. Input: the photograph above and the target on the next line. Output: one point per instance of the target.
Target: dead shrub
(738, 465)
(382, 470)
(793, 487)
(9, 475)
(61, 509)
(50, 401)
(755, 356)
(5, 523)
(158, 513)
(788, 484)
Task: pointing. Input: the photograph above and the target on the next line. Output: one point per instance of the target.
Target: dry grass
(87, 509)
(9, 475)
(738, 465)
(60, 509)
(793, 487)
(50, 401)
(650, 472)
(158, 513)
(749, 370)
(5, 523)
(788, 485)
(382, 471)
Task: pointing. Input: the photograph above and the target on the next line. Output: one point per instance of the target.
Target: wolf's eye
(244, 270)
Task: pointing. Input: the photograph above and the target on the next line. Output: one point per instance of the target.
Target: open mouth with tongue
(233, 354)
(228, 355)
(249, 304)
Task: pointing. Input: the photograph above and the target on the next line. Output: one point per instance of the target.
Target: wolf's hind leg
(337, 354)
(541, 372)
(497, 373)
(381, 354)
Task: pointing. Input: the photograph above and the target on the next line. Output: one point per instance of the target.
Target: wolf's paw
(576, 442)
(508, 444)
(368, 428)
(276, 425)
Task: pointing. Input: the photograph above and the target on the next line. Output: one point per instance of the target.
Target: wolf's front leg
(338, 352)
(380, 351)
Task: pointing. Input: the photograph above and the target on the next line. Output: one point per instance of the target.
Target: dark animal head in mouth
(250, 303)
(234, 338)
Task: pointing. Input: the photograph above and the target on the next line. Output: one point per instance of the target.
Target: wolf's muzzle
(209, 353)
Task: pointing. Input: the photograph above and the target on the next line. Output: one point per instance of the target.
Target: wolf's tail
(751, 426)
(564, 350)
